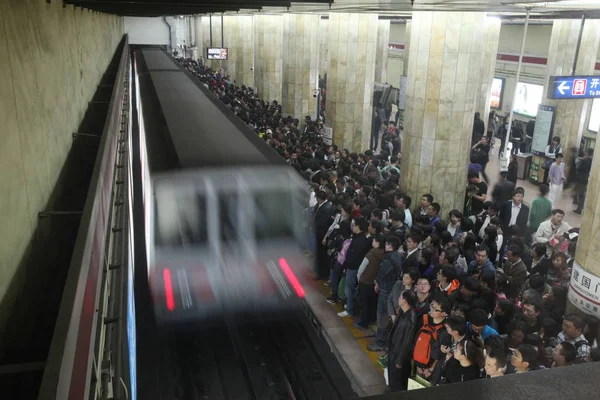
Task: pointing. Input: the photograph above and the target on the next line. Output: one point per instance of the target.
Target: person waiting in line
(323, 217)
(426, 200)
(552, 231)
(476, 195)
(426, 353)
(495, 363)
(446, 280)
(563, 354)
(432, 212)
(525, 358)
(482, 262)
(540, 262)
(455, 216)
(401, 341)
(572, 332)
(478, 129)
(366, 282)
(513, 274)
(541, 209)
(556, 177)
(359, 247)
(551, 151)
(413, 254)
(387, 276)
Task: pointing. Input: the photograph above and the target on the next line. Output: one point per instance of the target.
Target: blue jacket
(389, 271)
(487, 331)
(487, 266)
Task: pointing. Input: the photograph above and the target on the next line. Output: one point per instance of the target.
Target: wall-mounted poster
(529, 96)
(497, 93)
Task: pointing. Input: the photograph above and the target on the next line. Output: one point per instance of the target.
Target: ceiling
(507, 9)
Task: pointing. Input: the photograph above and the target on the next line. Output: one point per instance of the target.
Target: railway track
(258, 359)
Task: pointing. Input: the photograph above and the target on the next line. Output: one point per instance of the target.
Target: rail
(73, 363)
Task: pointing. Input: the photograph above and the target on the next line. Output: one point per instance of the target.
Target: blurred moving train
(225, 231)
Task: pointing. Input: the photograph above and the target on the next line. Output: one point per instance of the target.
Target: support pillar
(245, 51)
(231, 42)
(584, 290)
(571, 114)
(491, 39)
(444, 79)
(352, 43)
(268, 44)
(300, 65)
(383, 48)
(407, 35)
(323, 46)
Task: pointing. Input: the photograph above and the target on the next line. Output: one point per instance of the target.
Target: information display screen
(544, 124)
(497, 93)
(216, 54)
(529, 97)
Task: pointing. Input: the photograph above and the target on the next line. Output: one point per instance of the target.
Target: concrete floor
(531, 190)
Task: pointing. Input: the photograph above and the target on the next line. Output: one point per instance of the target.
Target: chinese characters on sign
(584, 290)
(574, 87)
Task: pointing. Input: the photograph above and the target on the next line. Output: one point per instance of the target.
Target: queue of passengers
(476, 293)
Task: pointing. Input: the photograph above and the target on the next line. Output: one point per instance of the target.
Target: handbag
(342, 288)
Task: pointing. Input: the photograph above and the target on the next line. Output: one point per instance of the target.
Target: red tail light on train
(291, 277)
(168, 282)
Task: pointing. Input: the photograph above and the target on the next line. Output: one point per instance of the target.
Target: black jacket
(505, 214)
(401, 341)
(357, 250)
(323, 219)
(502, 192)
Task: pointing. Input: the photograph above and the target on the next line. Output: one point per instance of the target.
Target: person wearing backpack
(573, 327)
(427, 343)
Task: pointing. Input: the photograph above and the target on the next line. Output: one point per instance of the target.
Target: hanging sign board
(574, 87)
(403, 90)
(328, 135)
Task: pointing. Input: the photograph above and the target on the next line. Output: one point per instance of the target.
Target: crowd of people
(478, 292)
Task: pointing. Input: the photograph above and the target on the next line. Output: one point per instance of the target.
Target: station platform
(348, 344)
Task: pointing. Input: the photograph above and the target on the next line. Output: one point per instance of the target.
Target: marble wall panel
(570, 114)
(381, 56)
(300, 64)
(351, 75)
(53, 58)
(268, 36)
(490, 51)
(445, 67)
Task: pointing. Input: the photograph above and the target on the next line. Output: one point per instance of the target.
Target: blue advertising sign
(574, 87)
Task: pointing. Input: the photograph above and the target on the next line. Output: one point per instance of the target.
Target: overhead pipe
(222, 30)
(504, 166)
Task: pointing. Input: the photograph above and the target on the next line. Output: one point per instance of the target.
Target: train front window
(228, 213)
(180, 219)
(273, 214)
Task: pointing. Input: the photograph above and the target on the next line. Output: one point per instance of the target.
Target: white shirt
(407, 218)
(514, 213)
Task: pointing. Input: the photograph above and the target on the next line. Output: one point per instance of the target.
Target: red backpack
(426, 337)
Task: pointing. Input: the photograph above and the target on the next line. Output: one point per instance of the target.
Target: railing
(78, 364)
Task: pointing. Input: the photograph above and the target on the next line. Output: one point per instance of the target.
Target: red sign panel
(579, 87)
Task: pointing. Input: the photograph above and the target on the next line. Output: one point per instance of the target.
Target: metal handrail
(67, 375)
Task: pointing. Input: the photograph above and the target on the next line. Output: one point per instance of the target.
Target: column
(245, 51)
(570, 114)
(323, 46)
(231, 42)
(444, 77)
(383, 47)
(268, 36)
(407, 35)
(584, 290)
(352, 43)
(491, 38)
(300, 53)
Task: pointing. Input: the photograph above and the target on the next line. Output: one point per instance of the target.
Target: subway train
(225, 233)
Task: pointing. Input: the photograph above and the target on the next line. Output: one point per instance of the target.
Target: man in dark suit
(514, 213)
(413, 254)
(322, 218)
